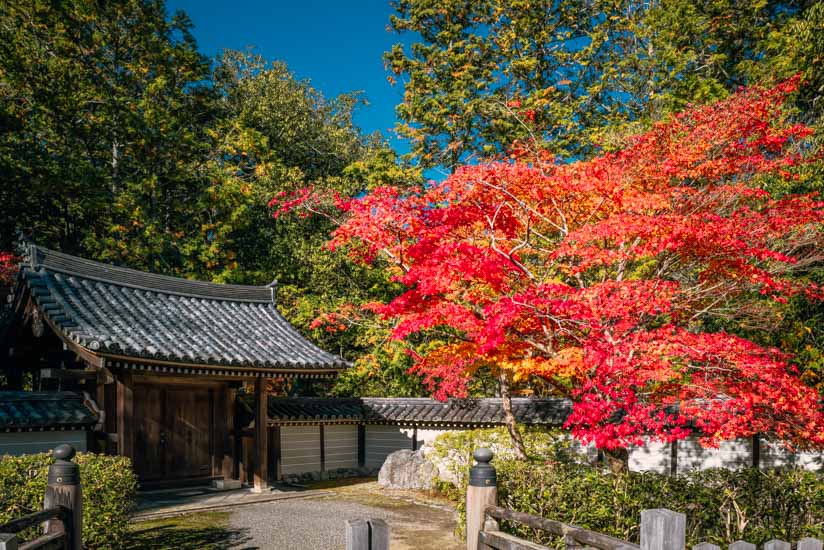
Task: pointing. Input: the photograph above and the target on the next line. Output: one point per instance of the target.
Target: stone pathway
(308, 519)
(318, 523)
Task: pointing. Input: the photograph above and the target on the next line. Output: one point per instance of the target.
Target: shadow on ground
(206, 531)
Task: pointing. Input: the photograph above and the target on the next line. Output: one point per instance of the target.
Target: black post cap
(64, 471)
(64, 451)
(483, 474)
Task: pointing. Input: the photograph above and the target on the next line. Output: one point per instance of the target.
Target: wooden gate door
(190, 432)
(149, 432)
(173, 432)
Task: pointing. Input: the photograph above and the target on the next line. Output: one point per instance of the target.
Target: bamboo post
(481, 492)
(63, 489)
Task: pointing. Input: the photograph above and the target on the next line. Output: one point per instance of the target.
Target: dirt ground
(416, 521)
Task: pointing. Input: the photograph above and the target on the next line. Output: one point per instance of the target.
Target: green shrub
(108, 488)
(721, 505)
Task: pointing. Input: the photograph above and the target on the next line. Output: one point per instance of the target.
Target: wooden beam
(261, 479)
(756, 451)
(248, 372)
(361, 445)
(125, 415)
(322, 449)
(504, 541)
(226, 423)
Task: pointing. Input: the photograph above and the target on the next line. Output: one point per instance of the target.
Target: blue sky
(337, 45)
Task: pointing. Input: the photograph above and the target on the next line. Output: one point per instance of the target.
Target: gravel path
(318, 523)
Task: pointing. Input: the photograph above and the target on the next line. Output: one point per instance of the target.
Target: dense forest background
(121, 142)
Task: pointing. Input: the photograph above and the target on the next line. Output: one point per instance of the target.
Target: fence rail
(661, 529)
(62, 510)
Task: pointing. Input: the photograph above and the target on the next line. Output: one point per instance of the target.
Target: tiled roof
(144, 316)
(21, 410)
(466, 412)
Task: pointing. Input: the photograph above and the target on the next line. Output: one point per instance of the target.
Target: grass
(197, 531)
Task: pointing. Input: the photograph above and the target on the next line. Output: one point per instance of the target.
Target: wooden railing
(574, 536)
(62, 510)
(661, 529)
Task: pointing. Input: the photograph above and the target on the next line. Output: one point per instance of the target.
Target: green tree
(568, 75)
(102, 106)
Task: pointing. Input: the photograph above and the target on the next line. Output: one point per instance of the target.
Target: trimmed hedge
(721, 506)
(108, 488)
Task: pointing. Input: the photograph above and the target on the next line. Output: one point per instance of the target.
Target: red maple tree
(609, 278)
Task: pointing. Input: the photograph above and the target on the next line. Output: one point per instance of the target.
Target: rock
(407, 470)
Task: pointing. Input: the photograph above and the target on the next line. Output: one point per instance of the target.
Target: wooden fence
(62, 510)
(661, 529)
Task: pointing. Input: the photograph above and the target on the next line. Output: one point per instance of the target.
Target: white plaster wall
(775, 455)
(653, 456)
(300, 449)
(427, 437)
(13, 443)
(733, 454)
(340, 446)
(383, 440)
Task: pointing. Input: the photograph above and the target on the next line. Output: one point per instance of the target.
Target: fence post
(742, 545)
(357, 534)
(63, 489)
(379, 534)
(775, 544)
(481, 492)
(663, 529)
(8, 541)
(809, 543)
(366, 534)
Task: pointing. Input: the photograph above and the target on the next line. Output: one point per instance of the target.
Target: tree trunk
(617, 460)
(509, 418)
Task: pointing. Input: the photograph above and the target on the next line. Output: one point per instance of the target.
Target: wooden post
(379, 534)
(808, 543)
(742, 545)
(63, 489)
(261, 451)
(357, 534)
(706, 546)
(227, 464)
(8, 541)
(361, 445)
(363, 534)
(776, 544)
(663, 529)
(125, 413)
(756, 451)
(322, 450)
(480, 493)
(674, 457)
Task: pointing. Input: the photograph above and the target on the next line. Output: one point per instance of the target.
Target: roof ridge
(38, 257)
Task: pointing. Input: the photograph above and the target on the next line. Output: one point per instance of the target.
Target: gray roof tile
(145, 316)
(419, 411)
(21, 410)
